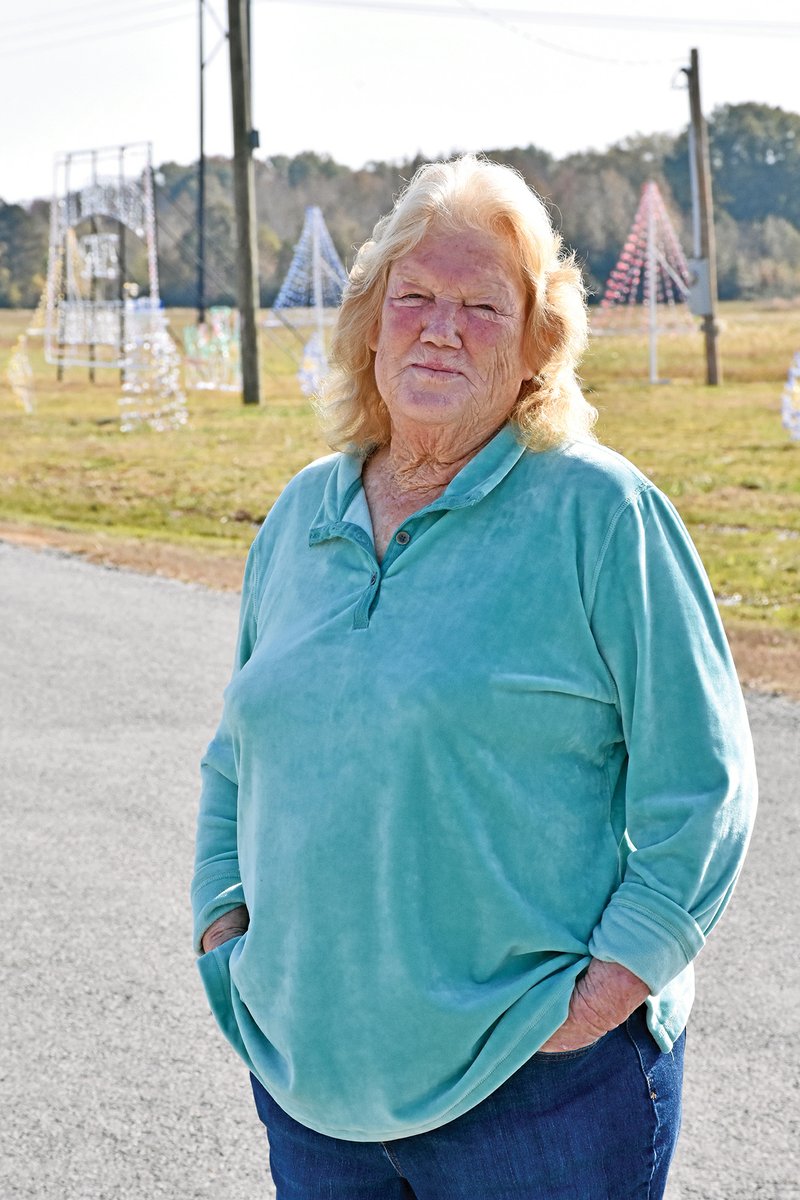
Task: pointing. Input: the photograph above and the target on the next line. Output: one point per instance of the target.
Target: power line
(492, 16)
(224, 286)
(191, 218)
(80, 16)
(745, 28)
(220, 254)
(37, 46)
(118, 23)
(188, 255)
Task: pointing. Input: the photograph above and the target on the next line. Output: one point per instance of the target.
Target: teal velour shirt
(444, 783)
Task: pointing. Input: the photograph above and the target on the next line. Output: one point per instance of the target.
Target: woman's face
(449, 348)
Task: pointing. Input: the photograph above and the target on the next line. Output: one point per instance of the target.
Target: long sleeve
(690, 787)
(216, 884)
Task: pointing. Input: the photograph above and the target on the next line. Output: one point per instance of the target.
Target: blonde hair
(466, 193)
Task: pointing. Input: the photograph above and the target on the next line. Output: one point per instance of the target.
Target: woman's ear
(374, 335)
(532, 356)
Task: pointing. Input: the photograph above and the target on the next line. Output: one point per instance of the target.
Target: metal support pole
(152, 242)
(93, 279)
(63, 234)
(245, 140)
(705, 218)
(316, 275)
(652, 285)
(92, 299)
(122, 265)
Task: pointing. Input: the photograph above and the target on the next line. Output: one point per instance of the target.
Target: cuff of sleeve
(647, 933)
(211, 897)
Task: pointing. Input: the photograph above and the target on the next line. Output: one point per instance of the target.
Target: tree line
(755, 157)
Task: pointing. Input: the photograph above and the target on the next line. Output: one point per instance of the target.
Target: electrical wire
(496, 19)
(189, 256)
(83, 20)
(191, 218)
(746, 28)
(228, 263)
(37, 46)
(78, 17)
(187, 253)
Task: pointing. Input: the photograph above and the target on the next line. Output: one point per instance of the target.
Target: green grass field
(720, 453)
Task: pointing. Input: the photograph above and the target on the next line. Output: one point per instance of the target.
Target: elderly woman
(483, 781)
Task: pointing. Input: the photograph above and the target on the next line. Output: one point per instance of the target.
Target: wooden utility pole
(703, 295)
(201, 175)
(245, 140)
(123, 270)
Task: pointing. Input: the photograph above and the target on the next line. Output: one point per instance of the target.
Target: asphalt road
(113, 1080)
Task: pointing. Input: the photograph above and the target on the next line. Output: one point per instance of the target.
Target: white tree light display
(19, 371)
(151, 391)
(790, 401)
(315, 281)
(652, 270)
(212, 352)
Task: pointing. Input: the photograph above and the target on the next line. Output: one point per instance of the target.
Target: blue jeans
(594, 1124)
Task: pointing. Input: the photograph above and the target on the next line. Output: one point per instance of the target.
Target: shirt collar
(477, 479)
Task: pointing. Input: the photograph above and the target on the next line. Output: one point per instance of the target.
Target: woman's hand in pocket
(229, 925)
(604, 996)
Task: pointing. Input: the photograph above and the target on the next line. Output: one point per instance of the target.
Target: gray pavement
(113, 1080)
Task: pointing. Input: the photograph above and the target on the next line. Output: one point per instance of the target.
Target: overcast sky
(377, 79)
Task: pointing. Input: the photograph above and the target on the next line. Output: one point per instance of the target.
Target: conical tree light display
(315, 280)
(19, 371)
(790, 401)
(151, 390)
(652, 270)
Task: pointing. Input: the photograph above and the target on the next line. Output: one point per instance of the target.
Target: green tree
(755, 158)
(24, 237)
(595, 206)
(755, 162)
(770, 262)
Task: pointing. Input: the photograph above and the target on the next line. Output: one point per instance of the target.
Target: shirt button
(402, 538)
(373, 577)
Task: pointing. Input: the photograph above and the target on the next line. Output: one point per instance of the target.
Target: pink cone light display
(651, 270)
